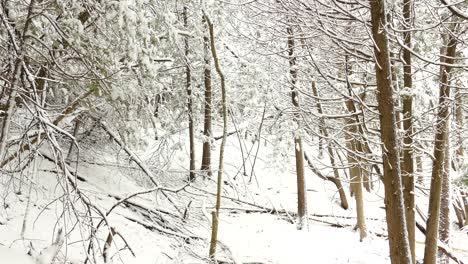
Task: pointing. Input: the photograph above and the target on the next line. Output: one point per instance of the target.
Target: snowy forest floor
(154, 230)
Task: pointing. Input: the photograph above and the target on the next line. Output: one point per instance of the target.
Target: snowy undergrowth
(246, 232)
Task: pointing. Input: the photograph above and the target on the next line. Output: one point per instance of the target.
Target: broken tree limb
(125, 200)
(112, 233)
(54, 124)
(153, 227)
(138, 161)
(274, 211)
(334, 180)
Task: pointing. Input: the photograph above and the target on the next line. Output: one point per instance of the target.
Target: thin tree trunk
(430, 253)
(361, 144)
(15, 70)
(419, 168)
(466, 213)
(322, 128)
(188, 85)
(317, 172)
(394, 204)
(407, 168)
(361, 221)
(207, 132)
(460, 121)
(331, 154)
(215, 214)
(355, 173)
(356, 179)
(459, 209)
(10, 105)
(76, 129)
(299, 151)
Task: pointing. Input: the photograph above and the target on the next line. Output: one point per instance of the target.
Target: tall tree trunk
(188, 84)
(407, 168)
(394, 204)
(354, 137)
(215, 214)
(355, 172)
(460, 121)
(206, 155)
(430, 253)
(445, 202)
(299, 151)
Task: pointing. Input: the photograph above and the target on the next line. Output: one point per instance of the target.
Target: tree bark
(207, 131)
(407, 168)
(215, 214)
(430, 252)
(188, 85)
(331, 153)
(394, 204)
(10, 105)
(445, 202)
(355, 173)
(299, 151)
(460, 121)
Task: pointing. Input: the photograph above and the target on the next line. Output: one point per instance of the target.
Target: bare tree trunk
(188, 84)
(215, 214)
(430, 253)
(322, 130)
(331, 154)
(361, 220)
(460, 121)
(353, 140)
(445, 202)
(459, 209)
(394, 204)
(466, 212)
(15, 69)
(207, 132)
(76, 129)
(15, 72)
(354, 147)
(407, 168)
(299, 151)
(419, 169)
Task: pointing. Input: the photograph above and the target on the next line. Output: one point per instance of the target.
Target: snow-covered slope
(152, 227)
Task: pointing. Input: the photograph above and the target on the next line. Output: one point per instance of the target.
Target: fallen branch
(126, 200)
(138, 161)
(250, 210)
(274, 211)
(110, 237)
(336, 181)
(152, 227)
(227, 135)
(54, 124)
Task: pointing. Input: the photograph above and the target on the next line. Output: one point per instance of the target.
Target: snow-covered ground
(246, 236)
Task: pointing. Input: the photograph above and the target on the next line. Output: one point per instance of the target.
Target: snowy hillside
(156, 232)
